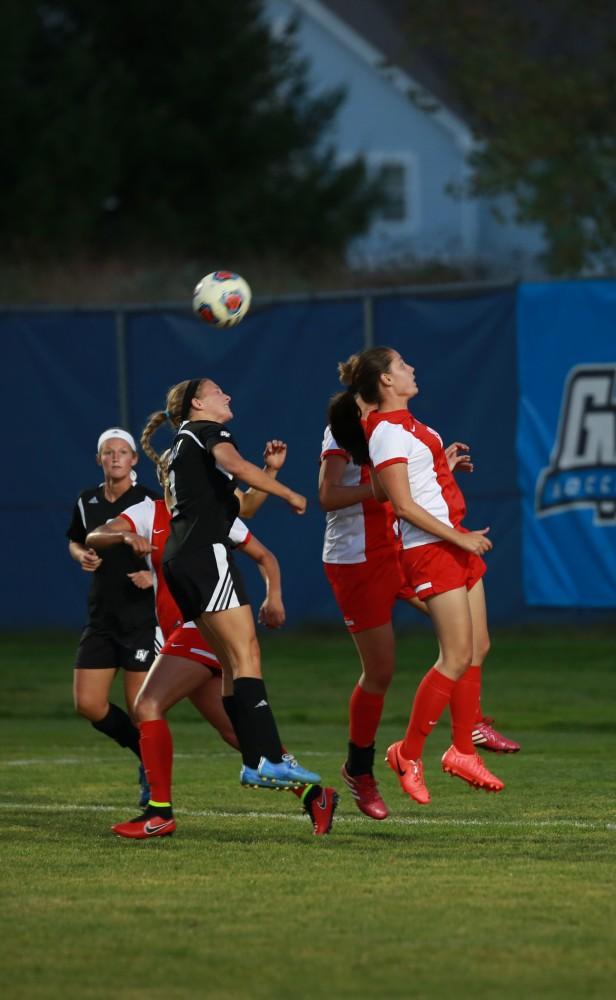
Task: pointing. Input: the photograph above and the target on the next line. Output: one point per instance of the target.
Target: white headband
(116, 432)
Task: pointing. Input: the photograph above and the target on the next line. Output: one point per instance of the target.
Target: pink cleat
(470, 767)
(410, 774)
(487, 738)
(365, 791)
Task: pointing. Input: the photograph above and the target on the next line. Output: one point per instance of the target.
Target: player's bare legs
(133, 682)
(451, 617)
(233, 636)
(91, 690)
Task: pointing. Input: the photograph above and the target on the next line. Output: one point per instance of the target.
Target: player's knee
(146, 708)
(90, 707)
(457, 662)
(377, 678)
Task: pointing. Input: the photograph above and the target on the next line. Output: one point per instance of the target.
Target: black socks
(360, 760)
(118, 726)
(253, 721)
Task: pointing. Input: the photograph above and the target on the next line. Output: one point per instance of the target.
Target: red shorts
(438, 567)
(366, 592)
(187, 642)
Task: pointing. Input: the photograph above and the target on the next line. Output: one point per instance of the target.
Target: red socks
(365, 710)
(464, 706)
(157, 755)
(479, 715)
(433, 694)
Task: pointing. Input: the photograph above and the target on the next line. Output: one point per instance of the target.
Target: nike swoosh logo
(149, 829)
(157, 531)
(323, 803)
(176, 645)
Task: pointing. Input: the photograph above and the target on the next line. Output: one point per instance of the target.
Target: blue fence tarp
(64, 385)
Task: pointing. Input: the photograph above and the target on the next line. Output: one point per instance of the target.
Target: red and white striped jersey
(354, 534)
(399, 437)
(152, 520)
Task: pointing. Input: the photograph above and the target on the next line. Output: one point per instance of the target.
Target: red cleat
(470, 767)
(365, 791)
(410, 774)
(321, 811)
(487, 738)
(145, 827)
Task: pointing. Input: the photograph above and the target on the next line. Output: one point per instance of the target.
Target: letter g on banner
(582, 469)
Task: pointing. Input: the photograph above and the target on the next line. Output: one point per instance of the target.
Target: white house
(421, 154)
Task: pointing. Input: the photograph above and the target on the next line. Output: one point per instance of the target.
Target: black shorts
(205, 579)
(99, 649)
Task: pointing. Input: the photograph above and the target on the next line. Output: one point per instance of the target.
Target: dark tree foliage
(175, 127)
(538, 83)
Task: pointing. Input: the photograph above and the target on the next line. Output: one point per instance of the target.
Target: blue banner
(566, 443)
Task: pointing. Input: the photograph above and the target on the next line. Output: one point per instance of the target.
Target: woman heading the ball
(441, 559)
(187, 666)
(200, 571)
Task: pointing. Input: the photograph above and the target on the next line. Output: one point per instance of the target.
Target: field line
(90, 759)
(570, 823)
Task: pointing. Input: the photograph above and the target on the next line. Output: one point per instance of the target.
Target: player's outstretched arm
(229, 457)
(274, 455)
(116, 532)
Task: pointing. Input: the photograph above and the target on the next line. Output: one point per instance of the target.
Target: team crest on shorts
(141, 655)
(582, 470)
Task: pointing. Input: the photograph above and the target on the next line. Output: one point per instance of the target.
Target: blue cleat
(287, 774)
(250, 778)
(144, 795)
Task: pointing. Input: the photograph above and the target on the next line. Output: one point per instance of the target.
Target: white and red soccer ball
(221, 298)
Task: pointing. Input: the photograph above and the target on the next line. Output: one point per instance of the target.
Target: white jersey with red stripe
(354, 534)
(152, 520)
(398, 437)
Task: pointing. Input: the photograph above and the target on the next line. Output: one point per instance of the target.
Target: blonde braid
(154, 421)
(173, 414)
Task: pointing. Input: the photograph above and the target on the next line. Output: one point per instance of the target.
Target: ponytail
(177, 397)
(344, 418)
(155, 421)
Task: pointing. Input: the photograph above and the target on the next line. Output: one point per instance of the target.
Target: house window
(393, 181)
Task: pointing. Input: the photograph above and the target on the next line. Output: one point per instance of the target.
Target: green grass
(490, 896)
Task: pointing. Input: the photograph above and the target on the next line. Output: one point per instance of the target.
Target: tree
(177, 127)
(537, 82)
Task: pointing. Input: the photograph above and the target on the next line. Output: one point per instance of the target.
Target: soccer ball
(222, 298)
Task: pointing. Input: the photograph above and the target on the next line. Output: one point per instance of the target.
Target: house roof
(384, 24)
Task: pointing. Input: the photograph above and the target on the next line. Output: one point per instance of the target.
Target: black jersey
(204, 492)
(114, 602)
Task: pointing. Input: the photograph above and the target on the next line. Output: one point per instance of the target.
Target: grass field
(476, 895)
